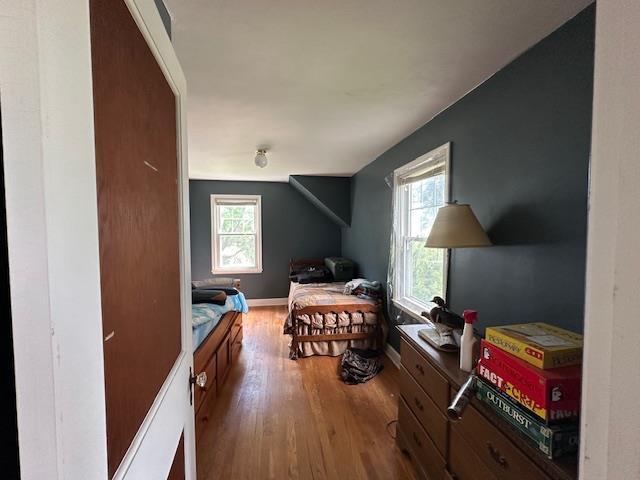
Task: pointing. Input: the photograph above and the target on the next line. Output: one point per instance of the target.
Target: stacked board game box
(540, 344)
(531, 375)
(553, 395)
(554, 441)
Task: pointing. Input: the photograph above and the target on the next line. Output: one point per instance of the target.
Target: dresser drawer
(200, 392)
(203, 354)
(426, 375)
(425, 410)
(463, 461)
(223, 357)
(236, 345)
(236, 327)
(496, 451)
(421, 447)
(206, 409)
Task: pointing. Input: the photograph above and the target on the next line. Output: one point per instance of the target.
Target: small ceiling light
(261, 158)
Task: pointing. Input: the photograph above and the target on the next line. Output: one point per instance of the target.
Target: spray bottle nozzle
(470, 316)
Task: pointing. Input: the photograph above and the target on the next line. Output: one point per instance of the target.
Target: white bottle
(467, 340)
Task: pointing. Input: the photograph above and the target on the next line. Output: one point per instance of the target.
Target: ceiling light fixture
(261, 158)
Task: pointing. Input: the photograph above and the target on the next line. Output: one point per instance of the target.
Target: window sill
(236, 271)
(411, 310)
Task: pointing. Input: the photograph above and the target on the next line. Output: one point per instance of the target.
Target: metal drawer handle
(495, 454)
(417, 439)
(418, 403)
(420, 368)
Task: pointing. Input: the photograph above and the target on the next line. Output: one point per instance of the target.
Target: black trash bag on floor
(359, 366)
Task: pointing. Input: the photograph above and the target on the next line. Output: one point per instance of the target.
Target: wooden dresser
(481, 446)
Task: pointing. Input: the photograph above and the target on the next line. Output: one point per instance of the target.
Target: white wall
(611, 387)
(20, 99)
(47, 120)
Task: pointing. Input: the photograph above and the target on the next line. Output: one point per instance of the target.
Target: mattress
(206, 316)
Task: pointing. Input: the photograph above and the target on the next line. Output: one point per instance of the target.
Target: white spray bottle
(467, 340)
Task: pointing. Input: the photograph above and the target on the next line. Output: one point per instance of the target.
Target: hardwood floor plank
(277, 418)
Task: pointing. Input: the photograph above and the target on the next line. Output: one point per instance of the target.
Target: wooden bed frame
(214, 358)
(376, 334)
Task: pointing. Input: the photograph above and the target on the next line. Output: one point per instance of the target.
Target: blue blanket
(205, 316)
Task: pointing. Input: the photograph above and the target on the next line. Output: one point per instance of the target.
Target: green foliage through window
(421, 270)
(236, 234)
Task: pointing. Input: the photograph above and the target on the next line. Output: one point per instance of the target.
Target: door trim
(45, 80)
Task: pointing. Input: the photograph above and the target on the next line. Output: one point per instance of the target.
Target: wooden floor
(277, 418)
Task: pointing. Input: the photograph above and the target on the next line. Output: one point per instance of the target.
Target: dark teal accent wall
(332, 195)
(291, 228)
(520, 157)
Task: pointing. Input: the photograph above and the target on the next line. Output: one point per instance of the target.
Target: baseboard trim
(267, 302)
(393, 355)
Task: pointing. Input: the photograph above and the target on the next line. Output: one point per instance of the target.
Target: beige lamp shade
(456, 226)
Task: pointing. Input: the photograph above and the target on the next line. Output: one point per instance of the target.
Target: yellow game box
(539, 344)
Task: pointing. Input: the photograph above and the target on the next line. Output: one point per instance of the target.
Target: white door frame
(610, 430)
(50, 183)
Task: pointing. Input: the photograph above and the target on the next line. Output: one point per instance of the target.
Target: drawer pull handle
(418, 404)
(420, 368)
(417, 439)
(495, 454)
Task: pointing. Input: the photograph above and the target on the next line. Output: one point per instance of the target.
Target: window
(236, 243)
(420, 189)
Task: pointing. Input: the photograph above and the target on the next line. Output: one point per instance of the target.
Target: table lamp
(455, 226)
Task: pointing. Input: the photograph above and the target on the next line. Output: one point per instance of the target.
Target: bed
(205, 317)
(217, 339)
(322, 320)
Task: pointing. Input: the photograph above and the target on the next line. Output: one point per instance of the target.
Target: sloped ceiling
(330, 85)
(332, 195)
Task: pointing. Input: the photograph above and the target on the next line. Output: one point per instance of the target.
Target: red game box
(553, 395)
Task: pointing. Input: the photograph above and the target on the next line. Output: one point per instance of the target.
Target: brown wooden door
(139, 200)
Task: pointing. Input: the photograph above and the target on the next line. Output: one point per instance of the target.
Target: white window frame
(410, 305)
(256, 200)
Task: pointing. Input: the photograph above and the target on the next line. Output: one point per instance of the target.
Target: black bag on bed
(217, 297)
(359, 366)
(228, 290)
(223, 284)
(311, 274)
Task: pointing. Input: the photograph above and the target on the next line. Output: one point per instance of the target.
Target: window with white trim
(420, 189)
(236, 236)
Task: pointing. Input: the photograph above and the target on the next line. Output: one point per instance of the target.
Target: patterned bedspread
(322, 294)
(206, 316)
(312, 294)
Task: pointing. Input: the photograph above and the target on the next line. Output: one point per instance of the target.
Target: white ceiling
(329, 85)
